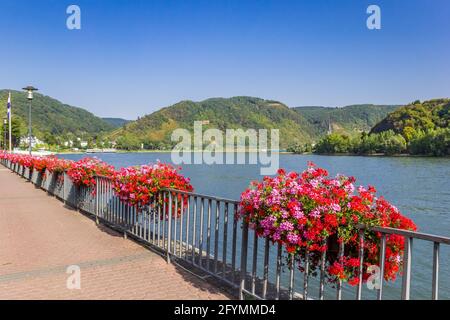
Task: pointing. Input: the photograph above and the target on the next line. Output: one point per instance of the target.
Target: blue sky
(133, 57)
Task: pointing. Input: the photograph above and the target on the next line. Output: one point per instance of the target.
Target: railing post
(127, 215)
(96, 200)
(169, 227)
(435, 293)
(382, 264)
(339, 284)
(266, 267)
(65, 193)
(361, 264)
(77, 195)
(406, 281)
(243, 259)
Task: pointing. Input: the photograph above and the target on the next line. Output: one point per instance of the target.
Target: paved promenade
(40, 238)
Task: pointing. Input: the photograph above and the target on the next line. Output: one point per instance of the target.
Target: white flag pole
(9, 121)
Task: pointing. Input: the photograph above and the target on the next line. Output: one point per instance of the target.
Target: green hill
(154, 130)
(51, 118)
(420, 128)
(417, 116)
(298, 126)
(346, 120)
(425, 126)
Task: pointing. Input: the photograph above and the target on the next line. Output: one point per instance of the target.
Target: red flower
(353, 281)
(290, 249)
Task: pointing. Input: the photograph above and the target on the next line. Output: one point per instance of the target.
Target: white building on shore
(34, 141)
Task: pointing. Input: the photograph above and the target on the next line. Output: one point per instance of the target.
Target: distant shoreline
(280, 152)
(154, 151)
(399, 155)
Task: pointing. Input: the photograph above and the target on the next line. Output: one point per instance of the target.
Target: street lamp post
(5, 121)
(29, 90)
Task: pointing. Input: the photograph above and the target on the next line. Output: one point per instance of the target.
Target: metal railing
(201, 232)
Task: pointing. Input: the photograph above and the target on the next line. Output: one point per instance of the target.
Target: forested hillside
(419, 128)
(407, 120)
(350, 120)
(52, 119)
(154, 130)
(298, 126)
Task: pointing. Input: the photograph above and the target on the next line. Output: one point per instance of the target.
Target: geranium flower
(309, 211)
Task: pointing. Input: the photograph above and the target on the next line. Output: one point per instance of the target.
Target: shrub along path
(40, 239)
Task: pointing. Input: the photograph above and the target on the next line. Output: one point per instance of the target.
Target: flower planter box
(70, 192)
(27, 173)
(46, 176)
(37, 178)
(56, 185)
(86, 199)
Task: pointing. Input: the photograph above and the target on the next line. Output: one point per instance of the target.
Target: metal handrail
(407, 233)
(188, 193)
(205, 196)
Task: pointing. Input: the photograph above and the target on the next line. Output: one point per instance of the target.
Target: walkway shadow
(203, 281)
(193, 275)
(108, 230)
(69, 207)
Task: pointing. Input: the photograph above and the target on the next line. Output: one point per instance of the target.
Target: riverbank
(161, 151)
(402, 155)
(241, 151)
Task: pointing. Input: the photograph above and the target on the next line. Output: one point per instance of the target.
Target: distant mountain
(51, 117)
(116, 122)
(417, 116)
(346, 120)
(222, 113)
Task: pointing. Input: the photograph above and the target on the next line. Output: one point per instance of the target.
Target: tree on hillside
(434, 142)
(334, 143)
(387, 142)
(17, 130)
(128, 142)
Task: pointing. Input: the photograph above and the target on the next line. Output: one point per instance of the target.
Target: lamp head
(30, 90)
